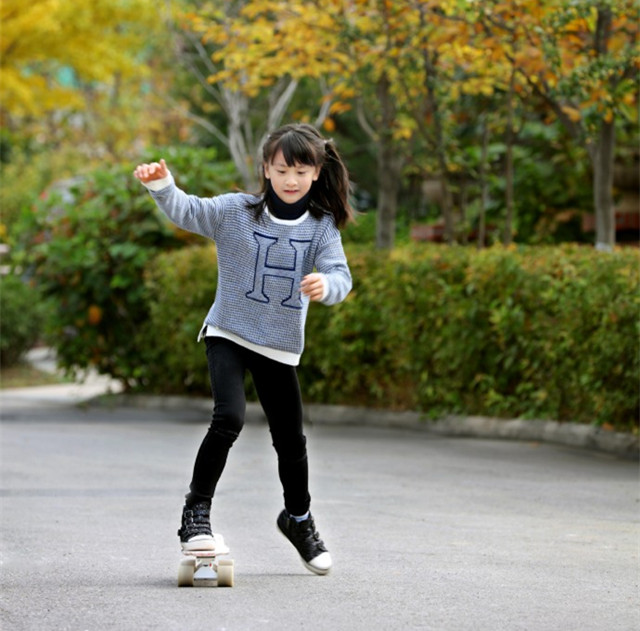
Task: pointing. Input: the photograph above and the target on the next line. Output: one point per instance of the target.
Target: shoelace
(308, 530)
(197, 516)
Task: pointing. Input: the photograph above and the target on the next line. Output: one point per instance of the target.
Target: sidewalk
(59, 394)
(569, 434)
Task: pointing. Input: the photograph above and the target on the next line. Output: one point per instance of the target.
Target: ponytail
(331, 190)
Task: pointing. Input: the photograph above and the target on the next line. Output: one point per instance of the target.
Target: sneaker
(306, 540)
(195, 532)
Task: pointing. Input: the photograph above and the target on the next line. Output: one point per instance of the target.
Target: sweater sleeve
(331, 262)
(196, 214)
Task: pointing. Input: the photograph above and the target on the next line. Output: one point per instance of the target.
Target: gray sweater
(261, 262)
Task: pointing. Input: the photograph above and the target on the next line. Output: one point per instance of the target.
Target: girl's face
(290, 183)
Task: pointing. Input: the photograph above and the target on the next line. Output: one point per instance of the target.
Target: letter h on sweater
(265, 272)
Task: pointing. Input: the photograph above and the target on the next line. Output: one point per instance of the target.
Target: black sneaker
(306, 540)
(195, 532)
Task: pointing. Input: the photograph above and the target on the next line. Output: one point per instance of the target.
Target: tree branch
(364, 123)
(199, 120)
(279, 107)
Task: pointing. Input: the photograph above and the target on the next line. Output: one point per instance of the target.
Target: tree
(96, 39)
(74, 72)
(581, 60)
(358, 51)
(373, 34)
(346, 47)
(425, 51)
(251, 57)
(405, 65)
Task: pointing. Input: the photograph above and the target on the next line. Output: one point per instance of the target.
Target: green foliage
(87, 243)
(25, 174)
(362, 231)
(552, 184)
(21, 194)
(181, 285)
(88, 253)
(545, 332)
(22, 318)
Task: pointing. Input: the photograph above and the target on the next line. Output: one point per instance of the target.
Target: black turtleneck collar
(282, 210)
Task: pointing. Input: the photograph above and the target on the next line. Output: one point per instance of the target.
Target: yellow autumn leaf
(573, 113)
(329, 125)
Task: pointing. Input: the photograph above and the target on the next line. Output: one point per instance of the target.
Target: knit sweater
(261, 262)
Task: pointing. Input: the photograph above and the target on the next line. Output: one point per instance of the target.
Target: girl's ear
(265, 169)
(316, 174)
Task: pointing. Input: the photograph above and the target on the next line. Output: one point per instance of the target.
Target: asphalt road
(426, 532)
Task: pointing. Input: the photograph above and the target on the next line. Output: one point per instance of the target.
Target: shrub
(29, 172)
(544, 332)
(21, 317)
(181, 285)
(88, 249)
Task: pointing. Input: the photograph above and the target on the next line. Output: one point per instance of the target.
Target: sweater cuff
(158, 185)
(325, 286)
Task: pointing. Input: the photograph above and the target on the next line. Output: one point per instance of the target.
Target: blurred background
(493, 150)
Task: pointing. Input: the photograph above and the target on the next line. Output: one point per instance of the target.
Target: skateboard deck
(202, 568)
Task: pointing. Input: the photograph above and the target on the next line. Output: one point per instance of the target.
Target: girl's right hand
(149, 172)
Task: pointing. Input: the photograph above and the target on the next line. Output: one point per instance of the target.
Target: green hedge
(541, 332)
(22, 317)
(181, 286)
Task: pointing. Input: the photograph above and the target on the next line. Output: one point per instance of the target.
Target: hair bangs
(296, 149)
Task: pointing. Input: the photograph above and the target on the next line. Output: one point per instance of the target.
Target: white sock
(300, 518)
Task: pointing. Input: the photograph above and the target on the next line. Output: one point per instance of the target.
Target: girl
(268, 247)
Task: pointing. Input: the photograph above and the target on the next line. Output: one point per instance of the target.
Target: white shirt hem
(291, 359)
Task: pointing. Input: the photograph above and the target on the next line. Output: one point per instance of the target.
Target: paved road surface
(425, 532)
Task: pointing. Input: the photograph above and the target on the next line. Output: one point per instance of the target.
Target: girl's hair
(302, 144)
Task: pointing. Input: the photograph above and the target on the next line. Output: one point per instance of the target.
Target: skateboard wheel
(186, 571)
(225, 574)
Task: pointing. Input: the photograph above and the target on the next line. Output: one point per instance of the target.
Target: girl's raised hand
(149, 172)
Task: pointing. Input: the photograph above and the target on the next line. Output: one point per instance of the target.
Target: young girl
(268, 247)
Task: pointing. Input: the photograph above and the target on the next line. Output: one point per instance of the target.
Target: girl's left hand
(312, 285)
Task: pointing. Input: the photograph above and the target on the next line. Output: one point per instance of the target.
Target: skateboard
(202, 568)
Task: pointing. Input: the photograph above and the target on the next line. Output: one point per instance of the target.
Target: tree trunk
(484, 185)
(602, 152)
(389, 170)
(237, 110)
(508, 220)
(438, 133)
(447, 199)
(602, 157)
(463, 231)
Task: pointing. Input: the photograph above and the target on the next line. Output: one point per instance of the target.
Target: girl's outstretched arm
(200, 215)
(150, 172)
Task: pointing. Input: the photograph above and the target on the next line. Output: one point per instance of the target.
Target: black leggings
(279, 393)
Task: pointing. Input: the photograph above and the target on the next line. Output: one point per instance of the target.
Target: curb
(619, 444)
